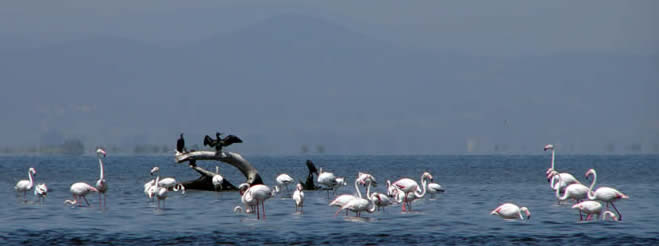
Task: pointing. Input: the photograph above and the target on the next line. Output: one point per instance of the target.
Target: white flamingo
(327, 179)
(283, 180)
(217, 179)
(298, 197)
(358, 205)
(576, 192)
(80, 190)
(26, 185)
(434, 188)
(511, 211)
(341, 200)
(593, 208)
(41, 191)
(408, 186)
(604, 194)
(340, 182)
(101, 184)
(258, 193)
(551, 173)
(565, 179)
(249, 206)
(380, 200)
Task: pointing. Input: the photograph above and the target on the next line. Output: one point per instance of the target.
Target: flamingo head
(299, 187)
(609, 214)
(426, 175)
(590, 172)
(155, 170)
(32, 171)
(549, 147)
(243, 188)
(100, 152)
(527, 212)
(550, 175)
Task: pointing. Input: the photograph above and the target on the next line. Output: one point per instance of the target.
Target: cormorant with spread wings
(221, 142)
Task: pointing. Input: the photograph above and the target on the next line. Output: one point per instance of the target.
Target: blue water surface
(475, 184)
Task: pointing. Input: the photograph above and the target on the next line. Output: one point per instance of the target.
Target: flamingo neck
(357, 188)
(29, 175)
(217, 169)
(100, 163)
(591, 194)
(564, 197)
(553, 153)
(373, 207)
(423, 183)
(368, 191)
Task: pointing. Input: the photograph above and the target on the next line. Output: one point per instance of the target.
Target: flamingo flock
(591, 201)
(586, 200)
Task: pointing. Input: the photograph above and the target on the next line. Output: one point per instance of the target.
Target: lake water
(474, 186)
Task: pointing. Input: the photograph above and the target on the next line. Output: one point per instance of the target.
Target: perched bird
(220, 142)
(180, 144)
(327, 179)
(511, 211)
(26, 185)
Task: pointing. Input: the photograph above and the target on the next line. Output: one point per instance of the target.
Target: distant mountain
(294, 80)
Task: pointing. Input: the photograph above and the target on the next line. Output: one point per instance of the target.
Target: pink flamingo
(80, 190)
(408, 186)
(511, 211)
(26, 185)
(604, 194)
(101, 185)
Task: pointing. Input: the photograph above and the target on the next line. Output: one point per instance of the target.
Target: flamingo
(101, 185)
(80, 190)
(408, 186)
(511, 211)
(553, 154)
(358, 205)
(258, 193)
(298, 197)
(217, 179)
(283, 180)
(609, 214)
(327, 179)
(592, 208)
(577, 192)
(434, 188)
(565, 179)
(41, 191)
(26, 185)
(604, 194)
(249, 206)
(380, 200)
(341, 200)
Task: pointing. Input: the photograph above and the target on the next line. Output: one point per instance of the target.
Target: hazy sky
(354, 76)
(483, 28)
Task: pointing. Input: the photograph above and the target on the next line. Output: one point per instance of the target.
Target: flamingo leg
(258, 214)
(263, 207)
(100, 200)
(588, 217)
(404, 202)
(24, 199)
(619, 215)
(83, 197)
(104, 203)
